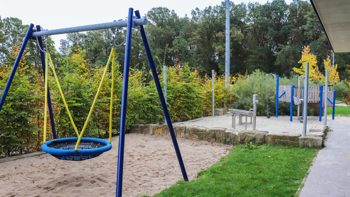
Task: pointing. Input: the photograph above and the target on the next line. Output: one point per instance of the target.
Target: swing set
(82, 148)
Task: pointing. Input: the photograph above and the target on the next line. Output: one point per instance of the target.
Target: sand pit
(273, 125)
(150, 165)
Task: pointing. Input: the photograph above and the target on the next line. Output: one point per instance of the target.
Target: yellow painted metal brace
(96, 96)
(64, 100)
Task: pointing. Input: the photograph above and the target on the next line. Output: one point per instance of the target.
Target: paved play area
(330, 173)
(273, 125)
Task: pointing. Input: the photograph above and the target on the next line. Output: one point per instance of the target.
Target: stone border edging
(16, 157)
(314, 138)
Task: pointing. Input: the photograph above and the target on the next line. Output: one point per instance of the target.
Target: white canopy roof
(335, 18)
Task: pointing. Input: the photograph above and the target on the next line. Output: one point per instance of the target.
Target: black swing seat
(64, 148)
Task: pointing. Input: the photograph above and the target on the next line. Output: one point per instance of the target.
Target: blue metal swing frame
(130, 23)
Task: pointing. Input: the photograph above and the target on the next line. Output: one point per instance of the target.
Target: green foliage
(79, 81)
(16, 117)
(251, 146)
(340, 89)
(266, 171)
(264, 87)
(185, 95)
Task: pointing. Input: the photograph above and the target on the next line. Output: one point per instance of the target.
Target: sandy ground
(150, 165)
(273, 125)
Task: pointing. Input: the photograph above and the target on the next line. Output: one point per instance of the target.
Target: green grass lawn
(339, 99)
(339, 110)
(267, 171)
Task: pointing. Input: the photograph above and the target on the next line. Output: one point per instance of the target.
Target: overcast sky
(69, 13)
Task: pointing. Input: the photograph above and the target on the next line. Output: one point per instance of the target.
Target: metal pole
(255, 101)
(333, 59)
(213, 88)
(277, 93)
(161, 97)
(136, 22)
(124, 104)
(18, 59)
(227, 45)
(42, 57)
(321, 103)
(306, 98)
(325, 98)
(291, 102)
(165, 94)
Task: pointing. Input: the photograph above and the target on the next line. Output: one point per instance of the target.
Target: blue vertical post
(333, 105)
(321, 103)
(277, 94)
(291, 102)
(42, 57)
(161, 97)
(124, 104)
(18, 59)
(164, 80)
(325, 98)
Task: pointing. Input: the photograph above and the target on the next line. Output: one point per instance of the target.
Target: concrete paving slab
(330, 173)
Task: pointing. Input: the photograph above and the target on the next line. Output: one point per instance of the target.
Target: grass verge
(339, 110)
(266, 171)
(339, 99)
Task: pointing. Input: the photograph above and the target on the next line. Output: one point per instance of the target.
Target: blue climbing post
(277, 95)
(291, 102)
(161, 97)
(321, 103)
(42, 57)
(333, 105)
(124, 104)
(18, 59)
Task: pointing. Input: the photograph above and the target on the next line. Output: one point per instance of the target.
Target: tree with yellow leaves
(333, 75)
(314, 73)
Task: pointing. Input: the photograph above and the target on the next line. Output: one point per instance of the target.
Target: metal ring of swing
(64, 148)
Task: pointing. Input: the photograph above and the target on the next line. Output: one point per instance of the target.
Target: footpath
(330, 173)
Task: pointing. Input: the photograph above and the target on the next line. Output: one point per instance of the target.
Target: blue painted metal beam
(161, 97)
(42, 57)
(124, 104)
(321, 102)
(330, 100)
(18, 59)
(333, 112)
(284, 92)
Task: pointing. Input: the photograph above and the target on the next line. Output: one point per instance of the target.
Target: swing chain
(115, 38)
(42, 50)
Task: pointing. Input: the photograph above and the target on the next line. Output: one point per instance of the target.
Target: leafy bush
(21, 124)
(257, 84)
(18, 131)
(340, 89)
(223, 95)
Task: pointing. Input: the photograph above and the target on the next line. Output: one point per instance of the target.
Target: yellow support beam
(94, 103)
(64, 100)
